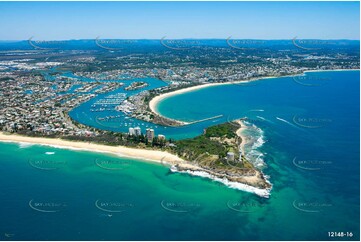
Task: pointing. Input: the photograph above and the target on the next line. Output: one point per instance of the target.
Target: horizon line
(187, 38)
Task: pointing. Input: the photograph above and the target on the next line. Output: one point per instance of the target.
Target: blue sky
(153, 20)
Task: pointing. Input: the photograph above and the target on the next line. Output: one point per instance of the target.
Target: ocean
(303, 133)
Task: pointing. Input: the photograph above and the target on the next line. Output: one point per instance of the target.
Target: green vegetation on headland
(211, 148)
(223, 130)
(216, 151)
(215, 142)
(212, 145)
(194, 147)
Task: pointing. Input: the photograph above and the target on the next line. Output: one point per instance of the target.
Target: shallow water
(311, 153)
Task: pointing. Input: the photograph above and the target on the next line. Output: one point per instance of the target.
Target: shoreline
(262, 192)
(332, 70)
(157, 99)
(163, 157)
(242, 183)
(240, 134)
(121, 151)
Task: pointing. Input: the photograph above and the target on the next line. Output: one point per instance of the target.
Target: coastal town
(180, 120)
(39, 93)
(34, 86)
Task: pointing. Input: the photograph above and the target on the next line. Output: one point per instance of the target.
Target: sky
(154, 20)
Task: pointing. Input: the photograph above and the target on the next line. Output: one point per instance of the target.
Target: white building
(240, 155)
(131, 131)
(230, 156)
(137, 131)
(150, 134)
(161, 137)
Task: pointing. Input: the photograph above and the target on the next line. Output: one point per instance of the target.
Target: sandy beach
(239, 132)
(141, 154)
(154, 102)
(332, 70)
(151, 155)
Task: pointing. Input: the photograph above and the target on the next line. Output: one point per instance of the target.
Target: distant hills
(115, 44)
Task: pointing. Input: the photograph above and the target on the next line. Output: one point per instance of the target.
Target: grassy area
(210, 149)
(194, 147)
(227, 130)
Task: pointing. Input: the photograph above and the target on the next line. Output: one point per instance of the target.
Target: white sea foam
(235, 185)
(259, 142)
(256, 157)
(255, 140)
(49, 153)
(23, 145)
(99, 151)
(27, 144)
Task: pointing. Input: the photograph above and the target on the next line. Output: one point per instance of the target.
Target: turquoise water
(306, 139)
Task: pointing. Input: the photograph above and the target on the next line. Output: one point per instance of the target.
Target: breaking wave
(235, 185)
(255, 140)
(23, 145)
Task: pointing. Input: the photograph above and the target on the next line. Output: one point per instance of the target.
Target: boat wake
(264, 119)
(287, 122)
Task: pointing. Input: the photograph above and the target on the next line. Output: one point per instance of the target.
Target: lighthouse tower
(240, 155)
